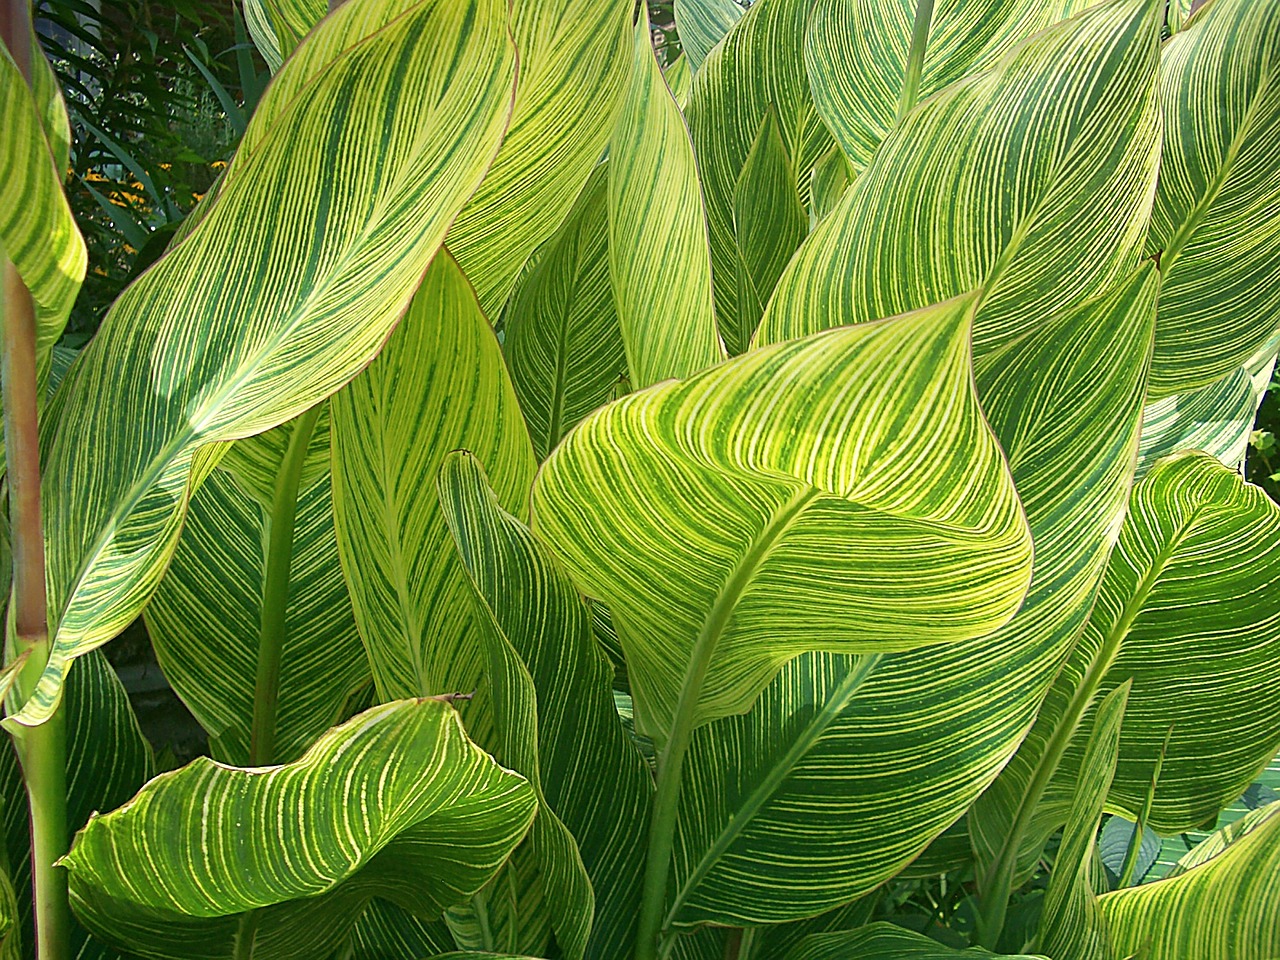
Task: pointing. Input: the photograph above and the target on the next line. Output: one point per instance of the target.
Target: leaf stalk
(915, 57)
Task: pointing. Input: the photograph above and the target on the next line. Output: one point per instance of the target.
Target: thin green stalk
(275, 591)
(42, 750)
(666, 803)
(1139, 828)
(915, 57)
(998, 883)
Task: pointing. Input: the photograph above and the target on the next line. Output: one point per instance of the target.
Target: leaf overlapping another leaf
(288, 286)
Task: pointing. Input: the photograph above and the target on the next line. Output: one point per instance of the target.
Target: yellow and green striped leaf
(574, 60)
(769, 829)
(856, 54)
(540, 630)
(884, 941)
(395, 803)
(1185, 611)
(439, 385)
(561, 336)
(291, 20)
(782, 503)
(659, 261)
(262, 31)
(831, 178)
(1071, 927)
(206, 618)
(1192, 597)
(37, 230)
(288, 286)
(1226, 907)
(703, 24)
(1030, 183)
(1216, 418)
(759, 64)
(1215, 225)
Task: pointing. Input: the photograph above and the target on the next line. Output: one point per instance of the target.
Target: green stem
(998, 883)
(915, 57)
(42, 749)
(1140, 826)
(275, 590)
(662, 824)
(246, 936)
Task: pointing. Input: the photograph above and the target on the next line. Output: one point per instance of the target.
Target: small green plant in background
(842, 552)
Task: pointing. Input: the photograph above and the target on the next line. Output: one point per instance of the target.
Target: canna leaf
(1224, 908)
(562, 341)
(1071, 927)
(206, 617)
(768, 828)
(659, 263)
(831, 179)
(884, 941)
(702, 24)
(243, 325)
(1214, 226)
(1216, 418)
(571, 53)
(439, 384)
(770, 525)
(395, 803)
(1185, 611)
(38, 233)
(538, 630)
(262, 31)
(386, 932)
(758, 65)
(856, 55)
(1030, 183)
(289, 20)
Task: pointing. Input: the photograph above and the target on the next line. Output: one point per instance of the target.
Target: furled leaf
(37, 231)
(856, 54)
(769, 218)
(769, 829)
(439, 384)
(244, 324)
(1070, 925)
(659, 262)
(801, 521)
(205, 619)
(1225, 908)
(758, 65)
(1113, 847)
(262, 31)
(1030, 183)
(830, 180)
(540, 630)
(702, 24)
(573, 75)
(1214, 224)
(561, 338)
(395, 803)
(884, 941)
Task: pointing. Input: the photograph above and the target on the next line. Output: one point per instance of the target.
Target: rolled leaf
(856, 55)
(561, 340)
(37, 230)
(556, 686)
(396, 803)
(1070, 925)
(1225, 908)
(801, 521)
(758, 65)
(1030, 182)
(244, 324)
(768, 829)
(205, 619)
(659, 261)
(439, 385)
(1214, 226)
(571, 54)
